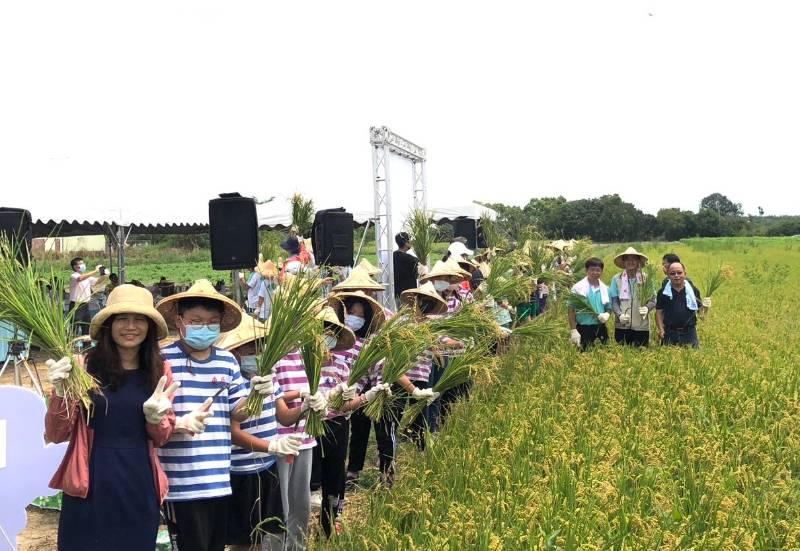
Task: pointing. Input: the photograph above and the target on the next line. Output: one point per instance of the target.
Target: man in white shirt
(80, 292)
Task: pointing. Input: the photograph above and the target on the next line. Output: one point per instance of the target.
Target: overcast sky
(153, 107)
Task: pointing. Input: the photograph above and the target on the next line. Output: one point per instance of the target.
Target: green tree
(721, 205)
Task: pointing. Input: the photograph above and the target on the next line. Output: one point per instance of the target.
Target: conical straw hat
(446, 269)
(248, 330)
(358, 280)
(202, 288)
(336, 301)
(618, 260)
(346, 339)
(428, 291)
(367, 266)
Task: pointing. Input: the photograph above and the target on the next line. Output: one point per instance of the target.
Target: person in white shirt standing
(80, 292)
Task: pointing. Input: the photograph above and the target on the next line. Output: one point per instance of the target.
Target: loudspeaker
(16, 225)
(332, 237)
(468, 227)
(233, 232)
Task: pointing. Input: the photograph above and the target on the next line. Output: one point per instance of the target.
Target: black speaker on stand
(16, 225)
(233, 232)
(469, 228)
(332, 237)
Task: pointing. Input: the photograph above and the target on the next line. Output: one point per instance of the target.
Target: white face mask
(330, 341)
(248, 364)
(354, 322)
(440, 285)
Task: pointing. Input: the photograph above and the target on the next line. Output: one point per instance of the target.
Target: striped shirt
(248, 461)
(455, 300)
(290, 374)
(422, 369)
(198, 467)
(332, 373)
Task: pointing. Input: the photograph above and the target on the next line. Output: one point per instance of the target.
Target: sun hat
(446, 269)
(367, 266)
(128, 299)
(427, 291)
(345, 338)
(202, 288)
(358, 280)
(458, 249)
(337, 300)
(248, 330)
(619, 260)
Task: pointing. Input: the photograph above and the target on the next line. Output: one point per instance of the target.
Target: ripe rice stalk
(314, 353)
(503, 283)
(471, 321)
(302, 213)
(647, 290)
(292, 324)
(491, 232)
(424, 234)
(540, 327)
(26, 303)
(579, 303)
(716, 278)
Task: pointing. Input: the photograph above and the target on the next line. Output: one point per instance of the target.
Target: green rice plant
(302, 213)
(424, 234)
(503, 283)
(491, 232)
(716, 278)
(292, 325)
(579, 303)
(647, 290)
(539, 328)
(31, 301)
(460, 370)
(472, 321)
(314, 352)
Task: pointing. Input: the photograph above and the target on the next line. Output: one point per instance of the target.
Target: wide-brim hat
(345, 338)
(248, 330)
(457, 248)
(128, 299)
(267, 268)
(467, 265)
(426, 290)
(630, 251)
(446, 269)
(202, 288)
(336, 301)
(358, 280)
(368, 267)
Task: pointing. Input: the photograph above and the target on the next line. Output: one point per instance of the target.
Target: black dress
(120, 512)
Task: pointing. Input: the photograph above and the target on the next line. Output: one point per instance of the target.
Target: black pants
(82, 318)
(198, 525)
(360, 425)
(385, 438)
(332, 453)
(416, 430)
(684, 336)
(591, 334)
(256, 502)
(631, 337)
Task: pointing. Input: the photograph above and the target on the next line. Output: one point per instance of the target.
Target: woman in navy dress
(114, 504)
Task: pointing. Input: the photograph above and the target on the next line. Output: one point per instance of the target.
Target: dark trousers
(416, 430)
(332, 453)
(82, 318)
(255, 507)
(684, 336)
(434, 410)
(360, 425)
(631, 337)
(198, 525)
(591, 334)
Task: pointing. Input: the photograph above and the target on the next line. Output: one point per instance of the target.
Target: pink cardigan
(62, 423)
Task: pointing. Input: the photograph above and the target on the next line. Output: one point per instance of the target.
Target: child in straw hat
(256, 513)
(198, 465)
(111, 476)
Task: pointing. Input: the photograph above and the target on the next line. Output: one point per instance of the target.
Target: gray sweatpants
(295, 480)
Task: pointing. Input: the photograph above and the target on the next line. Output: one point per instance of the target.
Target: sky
(146, 110)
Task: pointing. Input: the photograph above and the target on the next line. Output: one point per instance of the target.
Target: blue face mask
(201, 337)
(248, 365)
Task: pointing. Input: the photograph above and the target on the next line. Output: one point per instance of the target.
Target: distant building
(88, 243)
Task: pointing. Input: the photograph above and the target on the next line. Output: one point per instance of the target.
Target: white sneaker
(316, 499)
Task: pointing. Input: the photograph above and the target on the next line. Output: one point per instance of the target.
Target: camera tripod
(17, 357)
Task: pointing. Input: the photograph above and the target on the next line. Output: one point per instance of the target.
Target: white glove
(707, 302)
(196, 421)
(316, 401)
(286, 445)
(603, 318)
(262, 385)
(159, 404)
(624, 319)
(643, 311)
(348, 392)
(575, 337)
(371, 393)
(57, 372)
(425, 394)
(422, 269)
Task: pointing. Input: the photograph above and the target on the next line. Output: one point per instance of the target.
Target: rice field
(621, 448)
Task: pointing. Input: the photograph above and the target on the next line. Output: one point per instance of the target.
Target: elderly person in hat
(198, 465)
(256, 512)
(631, 316)
(678, 306)
(111, 476)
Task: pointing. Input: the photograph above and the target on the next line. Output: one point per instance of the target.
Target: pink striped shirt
(290, 374)
(332, 373)
(454, 302)
(422, 370)
(350, 355)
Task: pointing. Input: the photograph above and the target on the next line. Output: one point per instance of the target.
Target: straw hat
(358, 280)
(619, 259)
(267, 268)
(202, 288)
(468, 265)
(345, 338)
(336, 301)
(449, 269)
(367, 266)
(428, 291)
(248, 330)
(128, 299)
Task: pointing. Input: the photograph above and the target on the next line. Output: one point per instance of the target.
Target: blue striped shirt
(247, 461)
(198, 467)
